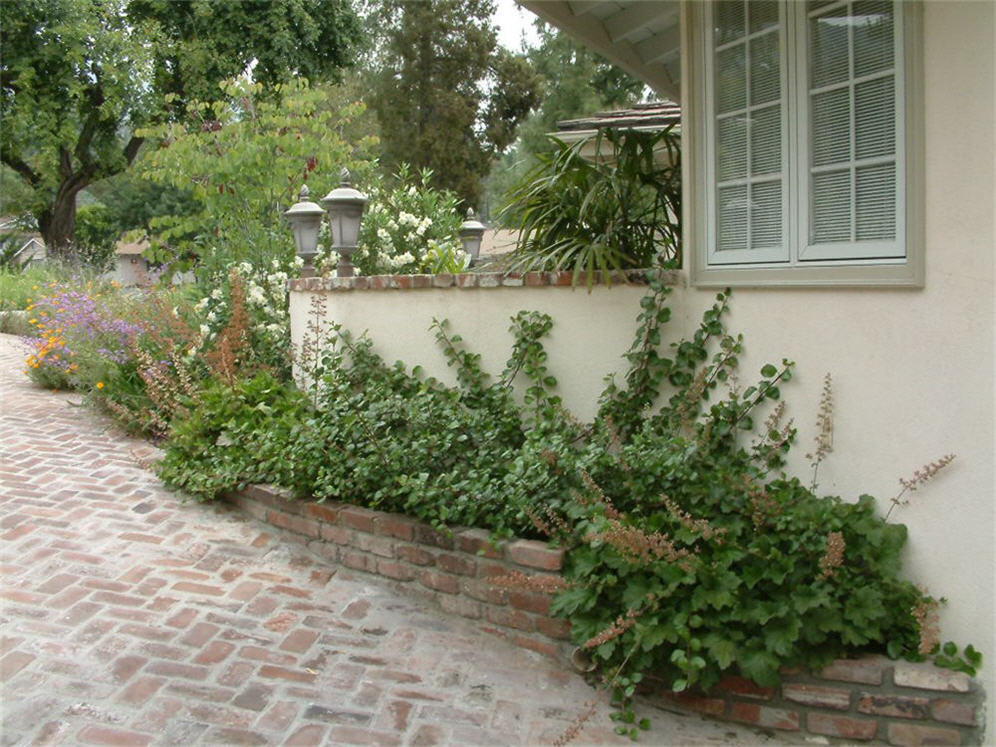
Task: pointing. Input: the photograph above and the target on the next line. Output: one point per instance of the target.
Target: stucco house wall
(913, 368)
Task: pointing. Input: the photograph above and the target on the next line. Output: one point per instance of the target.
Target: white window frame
(839, 264)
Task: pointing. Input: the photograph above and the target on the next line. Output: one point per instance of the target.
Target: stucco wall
(591, 330)
(913, 370)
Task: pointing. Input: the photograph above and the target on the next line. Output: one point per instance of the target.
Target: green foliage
(463, 95)
(203, 42)
(691, 554)
(969, 661)
(244, 160)
(131, 202)
(576, 82)
(20, 285)
(80, 77)
(235, 435)
(618, 210)
(96, 235)
(408, 227)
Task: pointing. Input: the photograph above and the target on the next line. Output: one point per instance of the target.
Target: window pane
(831, 127)
(875, 118)
(731, 79)
(731, 150)
(873, 37)
(763, 15)
(876, 202)
(765, 71)
(831, 207)
(766, 215)
(828, 52)
(731, 218)
(766, 140)
(728, 21)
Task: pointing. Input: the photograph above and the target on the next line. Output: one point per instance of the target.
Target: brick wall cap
(929, 677)
(535, 554)
(469, 280)
(867, 670)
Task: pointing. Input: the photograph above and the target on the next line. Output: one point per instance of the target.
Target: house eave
(642, 38)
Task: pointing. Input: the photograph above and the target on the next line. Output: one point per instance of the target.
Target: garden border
(865, 699)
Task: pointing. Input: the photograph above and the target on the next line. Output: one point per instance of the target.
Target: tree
(242, 160)
(78, 78)
(446, 96)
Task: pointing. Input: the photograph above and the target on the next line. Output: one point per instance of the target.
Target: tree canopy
(78, 78)
(447, 97)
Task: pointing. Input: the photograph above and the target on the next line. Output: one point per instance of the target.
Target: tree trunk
(57, 224)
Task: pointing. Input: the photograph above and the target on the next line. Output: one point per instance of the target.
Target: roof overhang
(643, 37)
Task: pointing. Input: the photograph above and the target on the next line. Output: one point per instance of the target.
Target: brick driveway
(129, 616)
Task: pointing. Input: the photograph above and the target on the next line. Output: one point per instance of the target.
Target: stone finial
(302, 196)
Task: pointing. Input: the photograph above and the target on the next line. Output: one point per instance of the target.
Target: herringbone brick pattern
(132, 617)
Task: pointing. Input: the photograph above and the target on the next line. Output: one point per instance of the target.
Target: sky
(512, 21)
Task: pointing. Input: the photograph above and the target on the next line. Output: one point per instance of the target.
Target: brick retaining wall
(868, 699)
(455, 571)
(871, 699)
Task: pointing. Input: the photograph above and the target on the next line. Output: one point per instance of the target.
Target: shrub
(234, 434)
(259, 292)
(79, 335)
(619, 209)
(409, 227)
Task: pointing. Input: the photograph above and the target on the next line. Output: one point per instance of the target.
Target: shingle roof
(658, 114)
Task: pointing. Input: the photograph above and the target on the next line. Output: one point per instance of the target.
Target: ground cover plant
(690, 551)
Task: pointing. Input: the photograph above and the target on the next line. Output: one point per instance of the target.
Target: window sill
(904, 275)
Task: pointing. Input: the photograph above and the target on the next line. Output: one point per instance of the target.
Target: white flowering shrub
(407, 228)
(265, 292)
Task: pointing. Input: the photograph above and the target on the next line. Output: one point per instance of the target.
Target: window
(802, 141)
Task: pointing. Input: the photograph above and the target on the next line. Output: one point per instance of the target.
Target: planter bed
(871, 699)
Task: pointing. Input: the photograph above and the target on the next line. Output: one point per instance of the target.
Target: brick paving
(130, 616)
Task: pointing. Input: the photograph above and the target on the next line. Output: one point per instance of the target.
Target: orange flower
(100, 384)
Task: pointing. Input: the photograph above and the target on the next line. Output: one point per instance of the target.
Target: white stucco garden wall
(590, 333)
(913, 369)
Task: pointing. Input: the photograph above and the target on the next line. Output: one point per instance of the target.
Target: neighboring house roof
(651, 116)
(643, 37)
(30, 248)
(131, 247)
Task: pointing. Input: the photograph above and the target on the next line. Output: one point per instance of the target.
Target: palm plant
(617, 210)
